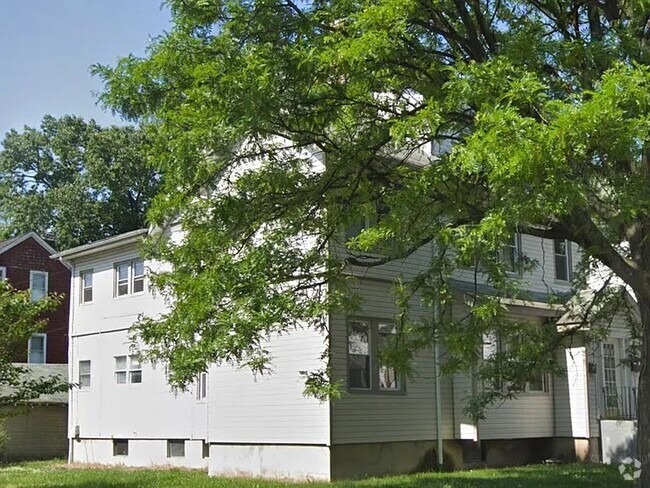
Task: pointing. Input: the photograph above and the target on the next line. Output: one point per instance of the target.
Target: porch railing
(618, 403)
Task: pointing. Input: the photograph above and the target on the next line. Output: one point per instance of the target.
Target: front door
(611, 380)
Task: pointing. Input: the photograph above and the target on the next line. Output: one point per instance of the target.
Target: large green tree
(74, 181)
(537, 111)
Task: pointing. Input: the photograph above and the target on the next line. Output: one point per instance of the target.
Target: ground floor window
(366, 370)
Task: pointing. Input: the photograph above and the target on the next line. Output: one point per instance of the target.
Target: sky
(48, 46)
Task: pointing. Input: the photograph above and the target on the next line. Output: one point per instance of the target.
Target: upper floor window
(3, 273)
(38, 285)
(84, 373)
(562, 251)
(202, 386)
(366, 339)
(129, 277)
(36, 349)
(128, 369)
(510, 254)
(86, 286)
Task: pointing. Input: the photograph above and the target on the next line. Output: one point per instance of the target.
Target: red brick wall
(19, 261)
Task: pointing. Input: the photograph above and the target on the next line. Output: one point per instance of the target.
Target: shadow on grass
(571, 476)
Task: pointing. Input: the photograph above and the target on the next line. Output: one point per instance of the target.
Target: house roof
(43, 370)
(14, 241)
(104, 244)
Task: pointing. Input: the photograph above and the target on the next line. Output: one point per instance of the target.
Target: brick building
(25, 262)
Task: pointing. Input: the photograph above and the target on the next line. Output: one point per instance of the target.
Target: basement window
(175, 448)
(120, 447)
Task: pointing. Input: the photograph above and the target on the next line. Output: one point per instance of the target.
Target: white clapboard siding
(271, 408)
(367, 417)
(147, 410)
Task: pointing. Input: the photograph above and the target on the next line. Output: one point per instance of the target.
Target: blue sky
(47, 47)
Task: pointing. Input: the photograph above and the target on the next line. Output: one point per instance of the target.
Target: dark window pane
(359, 371)
(138, 285)
(120, 447)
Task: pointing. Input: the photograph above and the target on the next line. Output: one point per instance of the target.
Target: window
(36, 348)
(129, 277)
(205, 449)
(3, 273)
(38, 285)
(128, 369)
(494, 343)
(509, 255)
(120, 447)
(366, 339)
(202, 386)
(175, 448)
(380, 213)
(84, 374)
(86, 286)
(562, 259)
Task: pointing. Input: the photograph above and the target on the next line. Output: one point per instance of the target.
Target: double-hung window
(128, 369)
(562, 252)
(202, 386)
(129, 277)
(86, 286)
(36, 349)
(510, 254)
(3, 273)
(38, 285)
(84, 373)
(366, 339)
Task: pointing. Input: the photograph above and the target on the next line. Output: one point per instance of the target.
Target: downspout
(436, 365)
(71, 440)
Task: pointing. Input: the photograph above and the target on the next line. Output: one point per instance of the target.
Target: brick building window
(3, 273)
(38, 285)
(36, 348)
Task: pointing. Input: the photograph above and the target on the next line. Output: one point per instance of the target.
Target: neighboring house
(39, 428)
(25, 262)
(38, 431)
(234, 423)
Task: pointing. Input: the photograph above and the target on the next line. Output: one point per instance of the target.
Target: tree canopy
(537, 112)
(74, 181)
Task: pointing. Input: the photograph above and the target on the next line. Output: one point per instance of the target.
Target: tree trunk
(643, 400)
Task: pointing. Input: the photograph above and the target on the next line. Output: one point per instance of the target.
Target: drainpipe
(71, 301)
(436, 365)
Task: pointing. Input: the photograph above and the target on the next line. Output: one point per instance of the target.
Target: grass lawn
(57, 474)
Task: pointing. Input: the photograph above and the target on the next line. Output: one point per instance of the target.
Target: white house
(234, 423)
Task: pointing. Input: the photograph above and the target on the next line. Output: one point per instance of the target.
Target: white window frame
(515, 245)
(374, 363)
(132, 369)
(29, 348)
(567, 260)
(3, 273)
(83, 287)
(202, 386)
(87, 375)
(131, 278)
(32, 274)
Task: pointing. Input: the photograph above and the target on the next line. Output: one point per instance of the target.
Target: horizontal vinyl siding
(383, 417)
(542, 278)
(271, 408)
(528, 415)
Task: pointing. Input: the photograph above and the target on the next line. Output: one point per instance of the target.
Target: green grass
(57, 474)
